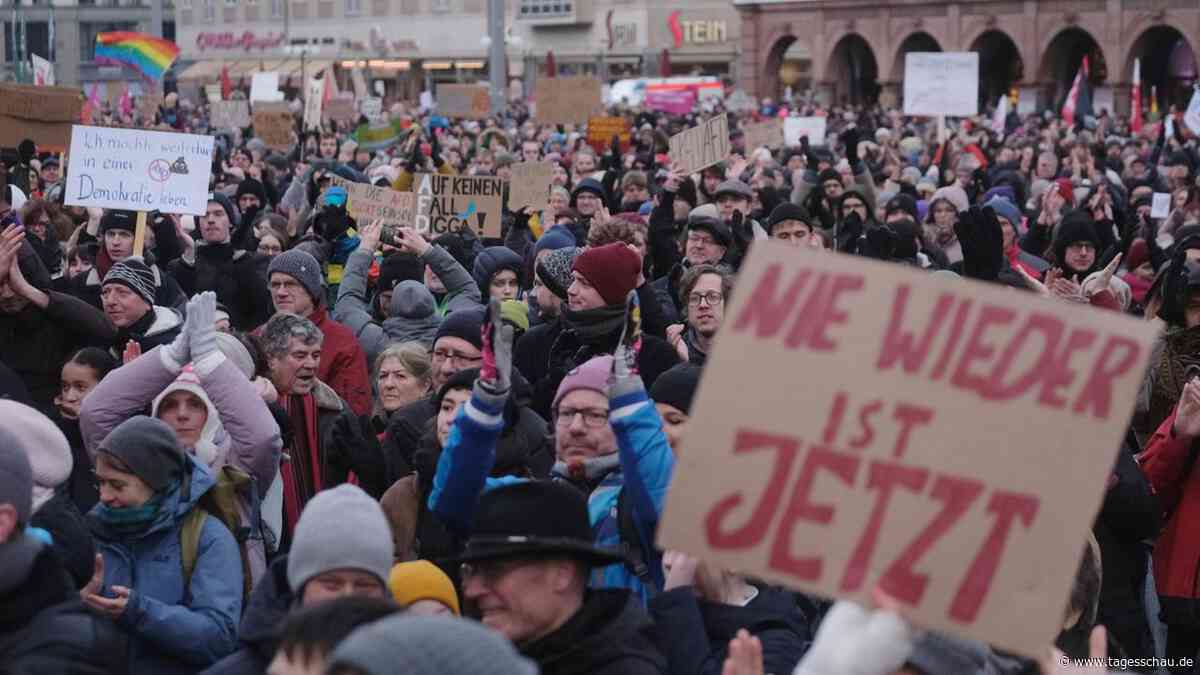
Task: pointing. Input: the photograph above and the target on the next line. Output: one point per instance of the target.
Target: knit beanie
(47, 447)
(677, 386)
(1066, 190)
(786, 211)
(304, 268)
(149, 448)
(587, 185)
(422, 580)
(464, 324)
(828, 175)
(429, 645)
(553, 239)
(16, 476)
(592, 375)
(231, 211)
(1076, 225)
(134, 275)
(116, 219)
(399, 267)
(251, 186)
(611, 269)
(953, 194)
(555, 270)
(902, 202)
(1005, 209)
(340, 528)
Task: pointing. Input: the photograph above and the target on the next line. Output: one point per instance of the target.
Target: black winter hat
(1076, 225)
(397, 267)
(463, 379)
(787, 211)
(251, 186)
(491, 261)
(117, 219)
(903, 203)
(464, 324)
(149, 448)
(587, 185)
(713, 225)
(677, 387)
(535, 518)
(231, 211)
(828, 175)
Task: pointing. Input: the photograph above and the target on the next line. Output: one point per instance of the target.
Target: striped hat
(135, 275)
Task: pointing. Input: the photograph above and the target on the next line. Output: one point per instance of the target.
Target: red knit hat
(1066, 190)
(611, 269)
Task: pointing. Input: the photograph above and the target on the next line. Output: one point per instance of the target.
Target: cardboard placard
(274, 124)
(367, 203)
(1160, 205)
(139, 170)
(768, 134)
(795, 128)
(567, 100)
(530, 185)
(339, 109)
(941, 83)
(957, 463)
(463, 100)
(701, 146)
(450, 203)
(314, 96)
(44, 114)
(229, 114)
(600, 131)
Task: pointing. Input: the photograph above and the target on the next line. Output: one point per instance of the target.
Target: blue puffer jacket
(173, 629)
(644, 473)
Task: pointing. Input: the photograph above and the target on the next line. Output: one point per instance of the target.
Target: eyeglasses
(457, 359)
(854, 205)
(592, 417)
(489, 572)
(700, 238)
(711, 298)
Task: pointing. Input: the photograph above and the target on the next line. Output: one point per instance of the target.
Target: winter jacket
(696, 633)
(36, 342)
(44, 627)
(666, 292)
(461, 290)
(491, 261)
(173, 628)
(72, 540)
(81, 486)
(86, 287)
(343, 363)
(239, 432)
(643, 474)
(160, 326)
(345, 446)
(413, 310)
(610, 635)
(233, 275)
(258, 634)
(862, 180)
(1169, 464)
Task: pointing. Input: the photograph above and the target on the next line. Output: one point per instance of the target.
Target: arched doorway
(853, 71)
(1061, 60)
(1168, 65)
(1000, 64)
(917, 42)
(788, 68)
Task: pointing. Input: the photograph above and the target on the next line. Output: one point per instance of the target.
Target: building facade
(853, 51)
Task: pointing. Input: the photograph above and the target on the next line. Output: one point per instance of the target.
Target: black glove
(849, 232)
(879, 243)
(743, 233)
(810, 157)
(850, 139)
(982, 241)
(414, 159)
(435, 152)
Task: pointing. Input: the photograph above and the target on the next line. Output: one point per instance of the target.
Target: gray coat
(412, 312)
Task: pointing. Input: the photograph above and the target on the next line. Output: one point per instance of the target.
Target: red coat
(1168, 465)
(343, 363)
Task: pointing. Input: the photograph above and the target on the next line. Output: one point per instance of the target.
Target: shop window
(277, 9)
(353, 7)
(540, 8)
(231, 3)
(210, 10)
(440, 6)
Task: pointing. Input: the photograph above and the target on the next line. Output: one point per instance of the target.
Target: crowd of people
(279, 440)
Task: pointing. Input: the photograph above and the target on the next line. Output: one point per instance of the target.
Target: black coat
(610, 635)
(696, 633)
(345, 445)
(45, 628)
(258, 633)
(81, 486)
(233, 275)
(72, 538)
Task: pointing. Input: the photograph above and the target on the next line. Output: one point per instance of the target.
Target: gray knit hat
(134, 275)
(304, 268)
(149, 448)
(16, 476)
(340, 528)
(429, 645)
(554, 270)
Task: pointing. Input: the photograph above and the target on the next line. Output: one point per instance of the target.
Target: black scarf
(592, 325)
(137, 329)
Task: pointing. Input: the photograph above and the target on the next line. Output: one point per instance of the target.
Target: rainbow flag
(150, 56)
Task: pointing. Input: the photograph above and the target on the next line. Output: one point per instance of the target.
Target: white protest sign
(371, 107)
(212, 92)
(43, 71)
(1160, 205)
(794, 128)
(914, 457)
(139, 170)
(229, 114)
(314, 99)
(1192, 117)
(265, 87)
(941, 83)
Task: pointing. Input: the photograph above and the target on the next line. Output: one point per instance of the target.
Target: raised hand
(745, 655)
(201, 326)
(1187, 413)
(630, 346)
(368, 236)
(496, 372)
(132, 351)
(408, 239)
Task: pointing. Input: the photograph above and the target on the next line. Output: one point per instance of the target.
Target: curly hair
(616, 230)
(278, 333)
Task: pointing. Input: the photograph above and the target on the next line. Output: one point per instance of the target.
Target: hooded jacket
(258, 633)
(230, 272)
(173, 628)
(413, 310)
(491, 261)
(461, 290)
(239, 430)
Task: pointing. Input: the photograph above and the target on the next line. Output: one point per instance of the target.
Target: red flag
(1135, 98)
(226, 85)
(1072, 105)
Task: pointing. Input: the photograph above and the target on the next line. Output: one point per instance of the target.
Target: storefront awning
(202, 70)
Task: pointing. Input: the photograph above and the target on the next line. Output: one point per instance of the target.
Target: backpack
(221, 502)
(633, 546)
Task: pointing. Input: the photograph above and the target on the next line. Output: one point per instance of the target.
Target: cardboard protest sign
(229, 114)
(600, 131)
(339, 109)
(139, 170)
(530, 185)
(314, 96)
(941, 83)
(366, 203)
(862, 424)
(701, 146)
(768, 134)
(566, 100)
(795, 128)
(450, 203)
(463, 100)
(44, 114)
(274, 124)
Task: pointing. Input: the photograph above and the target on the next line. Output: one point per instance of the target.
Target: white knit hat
(44, 443)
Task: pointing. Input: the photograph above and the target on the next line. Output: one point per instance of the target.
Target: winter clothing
(554, 239)
(707, 219)
(677, 387)
(343, 363)
(953, 194)
(786, 211)
(87, 287)
(734, 188)
(610, 635)
(555, 270)
(421, 580)
(592, 376)
(69, 532)
(302, 267)
(117, 219)
(611, 269)
(174, 628)
(394, 269)
(234, 275)
(461, 290)
(1076, 226)
(134, 275)
(490, 262)
(231, 210)
(149, 448)
(464, 325)
(258, 632)
(412, 312)
(48, 451)
(340, 528)
(1006, 210)
(159, 326)
(16, 476)
(429, 645)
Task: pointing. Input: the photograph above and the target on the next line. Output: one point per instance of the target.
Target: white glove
(202, 332)
(856, 641)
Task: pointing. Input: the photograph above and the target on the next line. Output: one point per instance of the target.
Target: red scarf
(303, 471)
